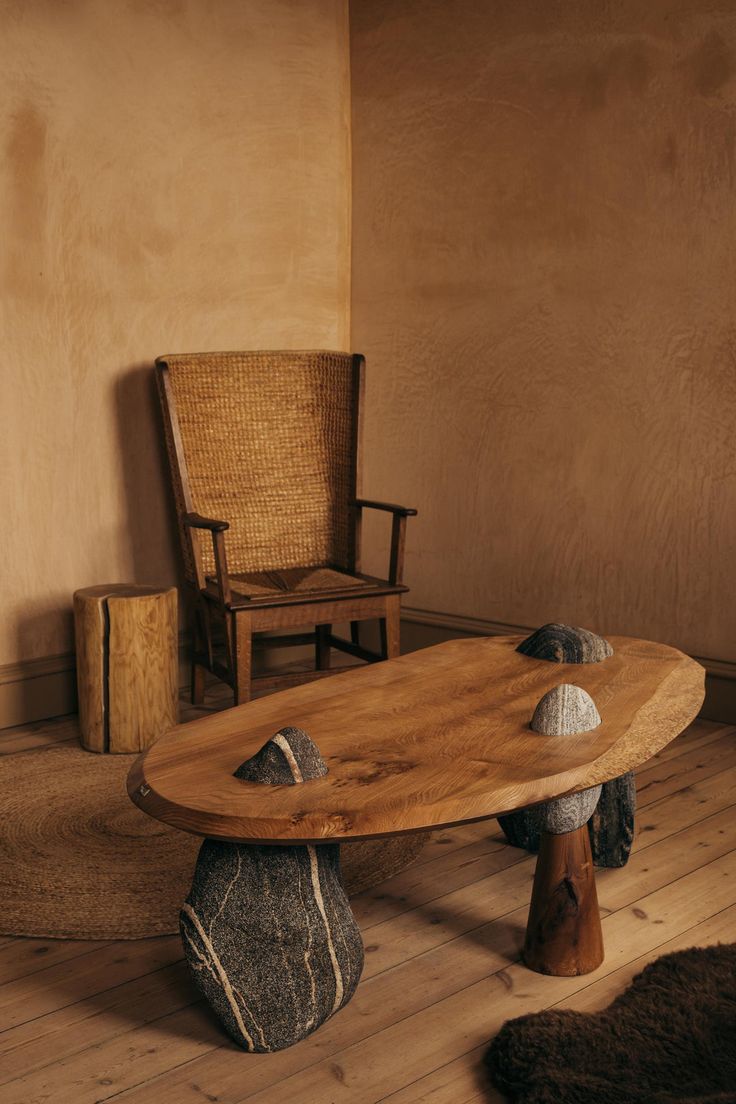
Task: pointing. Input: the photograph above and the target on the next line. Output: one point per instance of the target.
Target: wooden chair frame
(241, 617)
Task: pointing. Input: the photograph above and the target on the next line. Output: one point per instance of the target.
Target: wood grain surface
(90, 645)
(430, 739)
(563, 933)
(83, 1023)
(127, 665)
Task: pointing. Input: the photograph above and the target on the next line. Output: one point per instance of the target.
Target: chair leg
(322, 647)
(197, 674)
(242, 653)
(391, 628)
(197, 683)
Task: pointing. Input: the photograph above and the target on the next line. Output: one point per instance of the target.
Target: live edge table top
(434, 738)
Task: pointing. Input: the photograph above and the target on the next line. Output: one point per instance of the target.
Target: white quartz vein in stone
(204, 962)
(224, 980)
(226, 894)
(314, 866)
(308, 952)
(285, 746)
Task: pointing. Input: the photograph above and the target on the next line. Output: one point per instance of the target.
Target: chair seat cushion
(293, 580)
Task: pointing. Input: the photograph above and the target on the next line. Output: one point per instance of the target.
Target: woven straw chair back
(269, 442)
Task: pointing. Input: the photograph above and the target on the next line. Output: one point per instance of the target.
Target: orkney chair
(264, 449)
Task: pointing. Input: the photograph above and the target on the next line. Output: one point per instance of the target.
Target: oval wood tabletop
(433, 738)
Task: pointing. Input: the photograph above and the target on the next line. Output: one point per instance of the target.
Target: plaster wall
(544, 284)
(174, 176)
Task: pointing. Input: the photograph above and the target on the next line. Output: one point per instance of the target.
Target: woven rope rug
(669, 1039)
(79, 861)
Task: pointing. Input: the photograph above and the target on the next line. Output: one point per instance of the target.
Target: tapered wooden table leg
(563, 935)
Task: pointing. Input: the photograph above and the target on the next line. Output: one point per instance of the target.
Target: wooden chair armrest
(217, 530)
(398, 532)
(389, 507)
(196, 521)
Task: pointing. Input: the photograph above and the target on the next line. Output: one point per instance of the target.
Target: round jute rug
(79, 861)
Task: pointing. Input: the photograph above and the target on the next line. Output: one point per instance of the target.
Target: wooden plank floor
(119, 1021)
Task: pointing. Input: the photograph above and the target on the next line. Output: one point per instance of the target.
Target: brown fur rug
(669, 1039)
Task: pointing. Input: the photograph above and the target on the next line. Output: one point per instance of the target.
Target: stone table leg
(563, 935)
(270, 940)
(267, 930)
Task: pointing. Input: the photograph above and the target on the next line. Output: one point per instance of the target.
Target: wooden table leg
(563, 935)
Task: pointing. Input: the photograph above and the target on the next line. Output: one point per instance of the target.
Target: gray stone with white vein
(566, 711)
(267, 930)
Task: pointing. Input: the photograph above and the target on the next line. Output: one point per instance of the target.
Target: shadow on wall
(150, 518)
(144, 531)
(145, 528)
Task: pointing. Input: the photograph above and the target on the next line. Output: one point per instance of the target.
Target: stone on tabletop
(565, 644)
(267, 930)
(287, 758)
(565, 711)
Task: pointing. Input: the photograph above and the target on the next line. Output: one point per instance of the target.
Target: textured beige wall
(174, 176)
(544, 285)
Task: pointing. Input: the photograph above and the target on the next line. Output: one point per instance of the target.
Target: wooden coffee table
(432, 739)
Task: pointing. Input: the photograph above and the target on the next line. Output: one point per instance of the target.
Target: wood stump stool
(127, 665)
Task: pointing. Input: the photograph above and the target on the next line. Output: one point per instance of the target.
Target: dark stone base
(267, 930)
(523, 829)
(270, 940)
(611, 827)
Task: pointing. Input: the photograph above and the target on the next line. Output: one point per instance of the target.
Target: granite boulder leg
(611, 827)
(523, 829)
(268, 933)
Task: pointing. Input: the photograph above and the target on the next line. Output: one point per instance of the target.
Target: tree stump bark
(127, 665)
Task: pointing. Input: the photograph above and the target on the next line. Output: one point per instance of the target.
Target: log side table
(127, 665)
(463, 731)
